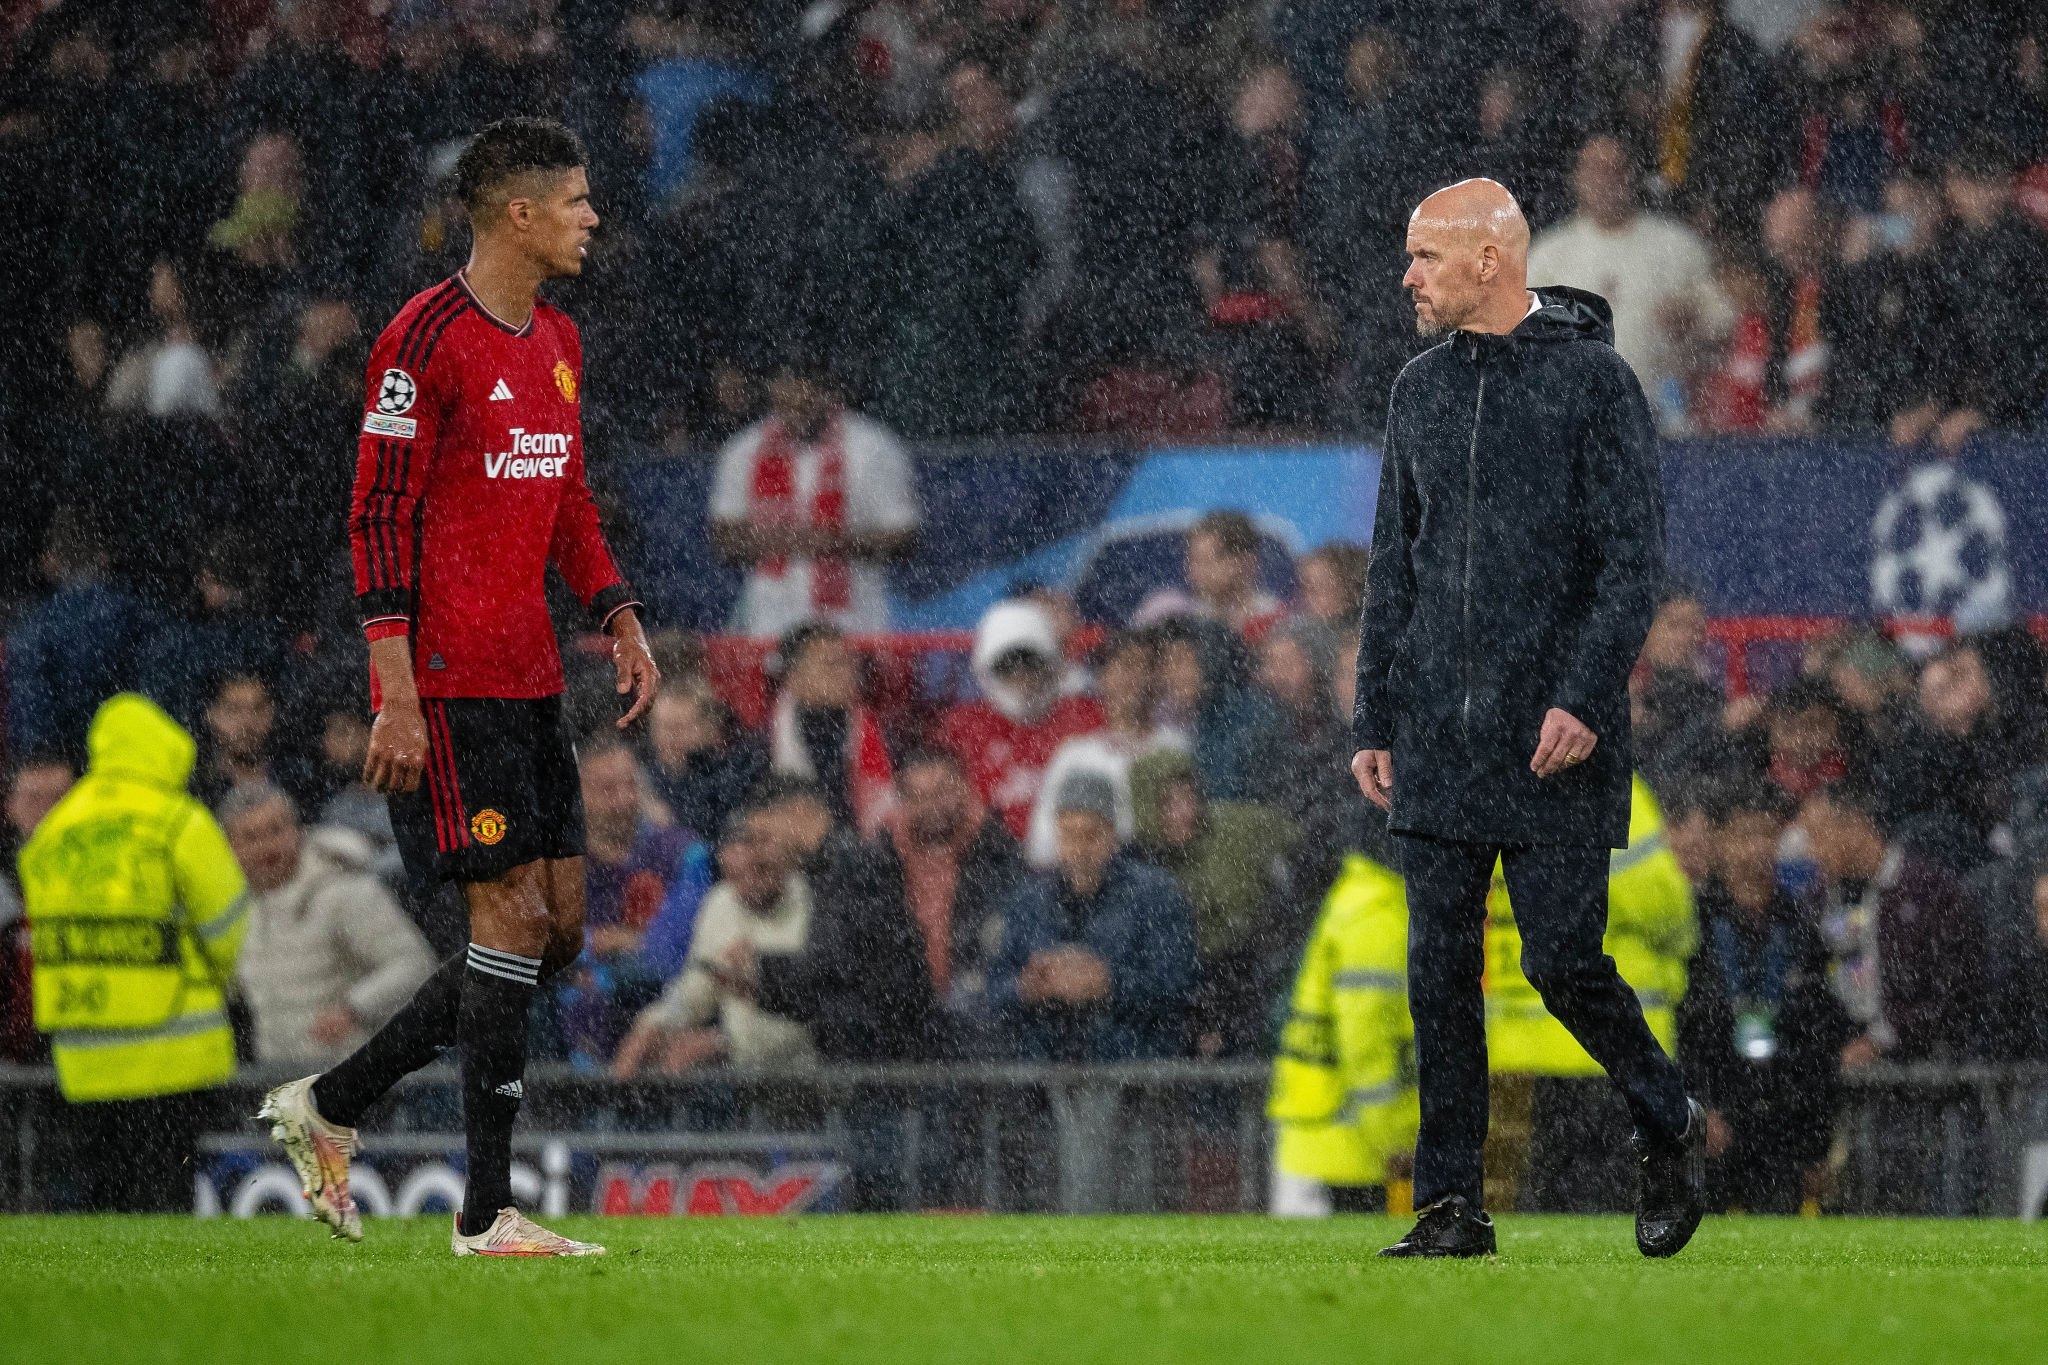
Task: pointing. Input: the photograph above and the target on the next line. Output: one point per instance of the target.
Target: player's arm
(398, 737)
(395, 449)
(578, 549)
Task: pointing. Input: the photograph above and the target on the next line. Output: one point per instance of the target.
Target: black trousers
(1560, 898)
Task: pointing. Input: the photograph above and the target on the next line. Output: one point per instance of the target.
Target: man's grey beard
(1435, 324)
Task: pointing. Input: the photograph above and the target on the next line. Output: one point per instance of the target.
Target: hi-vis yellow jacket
(1343, 1097)
(1651, 934)
(136, 908)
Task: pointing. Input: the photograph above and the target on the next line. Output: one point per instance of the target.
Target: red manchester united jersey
(469, 483)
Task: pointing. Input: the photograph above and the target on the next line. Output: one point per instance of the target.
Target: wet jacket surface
(1518, 547)
(136, 910)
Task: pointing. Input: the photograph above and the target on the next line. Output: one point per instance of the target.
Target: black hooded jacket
(1517, 552)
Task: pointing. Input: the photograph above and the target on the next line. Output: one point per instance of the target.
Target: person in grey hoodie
(329, 955)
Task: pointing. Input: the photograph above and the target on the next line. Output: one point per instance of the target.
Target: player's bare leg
(565, 890)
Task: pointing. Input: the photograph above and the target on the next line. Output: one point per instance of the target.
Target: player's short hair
(1233, 532)
(509, 148)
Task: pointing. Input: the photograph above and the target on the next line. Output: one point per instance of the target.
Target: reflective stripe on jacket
(1343, 1097)
(1651, 934)
(136, 909)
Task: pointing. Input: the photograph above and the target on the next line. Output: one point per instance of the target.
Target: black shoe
(1449, 1227)
(1671, 1193)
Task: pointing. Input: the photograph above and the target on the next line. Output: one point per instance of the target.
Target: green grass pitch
(1022, 1290)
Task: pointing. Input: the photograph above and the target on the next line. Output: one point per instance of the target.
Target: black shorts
(500, 789)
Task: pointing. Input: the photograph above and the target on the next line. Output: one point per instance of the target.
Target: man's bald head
(1468, 249)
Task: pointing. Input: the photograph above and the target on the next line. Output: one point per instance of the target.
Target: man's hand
(334, 1026)
(1072, 975)
(637, 673)
(1860, 1052)
(1954, 430)
(398, 749)
(1564, 743)
(639, 1040)
(1374, 769)
(1912, 426)
(690, 1048)
(742, 968)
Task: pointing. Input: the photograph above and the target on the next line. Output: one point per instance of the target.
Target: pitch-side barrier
(1137, 1138)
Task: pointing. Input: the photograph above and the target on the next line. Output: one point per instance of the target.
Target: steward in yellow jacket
(136, 908)
(1343, 1101)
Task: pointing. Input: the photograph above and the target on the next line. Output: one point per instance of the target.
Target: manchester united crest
(487, 827)
(565, 380)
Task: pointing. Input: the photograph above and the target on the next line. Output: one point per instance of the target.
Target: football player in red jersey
(469, 484)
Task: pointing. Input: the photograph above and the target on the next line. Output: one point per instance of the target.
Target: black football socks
(411, 1038)
(490, 1031)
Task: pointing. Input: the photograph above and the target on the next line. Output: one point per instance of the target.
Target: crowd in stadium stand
(1020, 217)
(1117, 854)
(1030, 216)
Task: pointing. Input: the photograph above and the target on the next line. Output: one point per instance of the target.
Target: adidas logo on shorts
(512, 1090)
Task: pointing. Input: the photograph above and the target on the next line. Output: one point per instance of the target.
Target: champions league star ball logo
(395, 392)
(1938, 548)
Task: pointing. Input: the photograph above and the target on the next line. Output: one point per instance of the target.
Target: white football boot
(319, 1151)
(512, 1233)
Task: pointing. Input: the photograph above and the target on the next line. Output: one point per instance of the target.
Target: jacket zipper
(1471, 511)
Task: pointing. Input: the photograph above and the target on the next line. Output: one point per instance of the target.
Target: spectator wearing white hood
(1126, 678)
(1007, 738)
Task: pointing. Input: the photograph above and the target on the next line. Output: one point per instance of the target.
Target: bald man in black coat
(1517, 557)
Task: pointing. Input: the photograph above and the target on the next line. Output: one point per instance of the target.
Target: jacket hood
(133, 736)
(1004, 628)
(1568, 314)
(1150, 777)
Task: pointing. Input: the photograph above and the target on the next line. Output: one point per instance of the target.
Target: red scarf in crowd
(870, 777)
(774, 504)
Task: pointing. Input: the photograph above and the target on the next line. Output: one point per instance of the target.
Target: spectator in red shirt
(1813, 740)
(1007, 738)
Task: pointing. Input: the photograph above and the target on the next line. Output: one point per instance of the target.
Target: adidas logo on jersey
(501, 394)
(512, 1090)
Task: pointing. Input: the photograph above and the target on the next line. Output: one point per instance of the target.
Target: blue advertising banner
(1782, 527)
